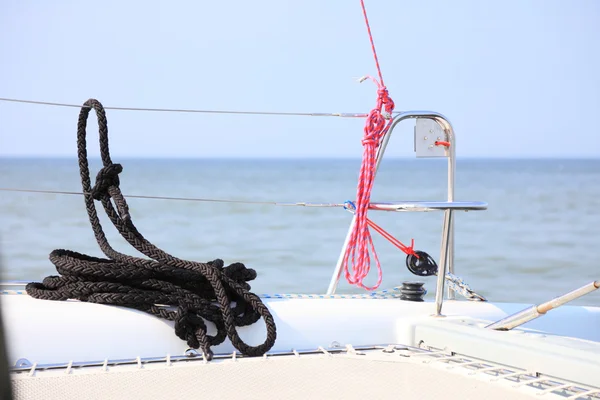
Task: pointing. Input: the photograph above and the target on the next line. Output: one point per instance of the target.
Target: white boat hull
(76, 339)
(74, 330)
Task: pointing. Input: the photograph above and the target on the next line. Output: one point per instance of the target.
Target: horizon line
(285, 158)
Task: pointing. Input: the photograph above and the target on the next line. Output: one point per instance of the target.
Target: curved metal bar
(423, 206)
(447, 251)
(447, 248)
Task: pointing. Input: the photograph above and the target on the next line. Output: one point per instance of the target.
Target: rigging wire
(196, 111)
(198, 199)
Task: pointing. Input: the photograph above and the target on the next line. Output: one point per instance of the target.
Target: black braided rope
(194, 291)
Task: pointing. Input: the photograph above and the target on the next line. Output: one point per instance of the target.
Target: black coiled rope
(194, 291)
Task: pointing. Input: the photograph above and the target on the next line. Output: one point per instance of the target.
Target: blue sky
(517, 78)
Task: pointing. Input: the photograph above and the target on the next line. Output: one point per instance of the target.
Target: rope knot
(386, 100)
(370, 140)
(107, 176)
(240, 273)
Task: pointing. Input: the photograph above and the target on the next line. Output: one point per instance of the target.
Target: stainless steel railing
(446, 263)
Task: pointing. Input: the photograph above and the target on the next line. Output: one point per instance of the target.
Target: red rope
(375, 129)
(362, 4)
(406, 249)
(348, 205)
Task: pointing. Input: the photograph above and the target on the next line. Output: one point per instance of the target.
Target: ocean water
(539, 238)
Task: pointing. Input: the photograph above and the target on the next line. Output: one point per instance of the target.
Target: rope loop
(198, 291)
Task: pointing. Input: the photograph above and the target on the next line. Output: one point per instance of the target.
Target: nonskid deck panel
(500, 380)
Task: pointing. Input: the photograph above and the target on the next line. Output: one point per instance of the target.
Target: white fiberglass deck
(50, 334)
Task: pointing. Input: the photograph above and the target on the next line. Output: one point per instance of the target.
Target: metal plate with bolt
(427, 133)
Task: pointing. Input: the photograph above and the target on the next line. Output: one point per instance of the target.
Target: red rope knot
(386, 100)
(374, 126)
(370, 141)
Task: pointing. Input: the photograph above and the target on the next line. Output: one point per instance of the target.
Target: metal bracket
(427, 132)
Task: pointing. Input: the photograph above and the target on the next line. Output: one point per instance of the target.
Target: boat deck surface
(382, 373)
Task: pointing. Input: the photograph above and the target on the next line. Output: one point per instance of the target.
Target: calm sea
(539, 238)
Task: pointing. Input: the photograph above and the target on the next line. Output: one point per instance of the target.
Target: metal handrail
(447, 248)
(423, 206)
